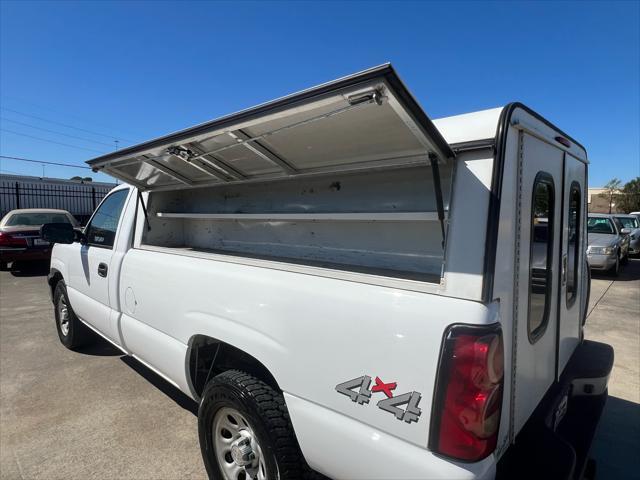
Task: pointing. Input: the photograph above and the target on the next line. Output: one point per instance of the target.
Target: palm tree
(612, 187)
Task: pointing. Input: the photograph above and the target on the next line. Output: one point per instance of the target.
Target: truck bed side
(312, 333)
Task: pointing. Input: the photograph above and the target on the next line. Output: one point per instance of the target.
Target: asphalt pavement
(94, 414)
(614, 318)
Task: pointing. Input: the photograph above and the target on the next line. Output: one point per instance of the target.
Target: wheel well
(209, 357)
(54, 277)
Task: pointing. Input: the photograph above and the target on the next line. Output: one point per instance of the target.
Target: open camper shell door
(363, 121)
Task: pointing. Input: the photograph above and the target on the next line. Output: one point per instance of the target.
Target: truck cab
(335, 277)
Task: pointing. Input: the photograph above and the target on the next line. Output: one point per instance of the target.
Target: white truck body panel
(331, 440)
(286, 318)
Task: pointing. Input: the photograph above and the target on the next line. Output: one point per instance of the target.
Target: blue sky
(131, 71)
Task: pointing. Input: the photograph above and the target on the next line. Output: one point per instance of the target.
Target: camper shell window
(541, 255)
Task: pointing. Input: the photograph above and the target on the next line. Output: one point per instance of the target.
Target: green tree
(629, 198)
(612, 187)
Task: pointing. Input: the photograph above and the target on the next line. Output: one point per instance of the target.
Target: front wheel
(615, 270)
(71, 331)
(245, 431)
(625, 259)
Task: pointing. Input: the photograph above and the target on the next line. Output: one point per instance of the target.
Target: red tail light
(468, 397)
(8, 240)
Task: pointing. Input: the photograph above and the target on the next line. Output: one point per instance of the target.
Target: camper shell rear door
(536, 164)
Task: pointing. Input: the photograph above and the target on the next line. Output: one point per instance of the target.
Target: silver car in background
(608, 243)
(630, 222)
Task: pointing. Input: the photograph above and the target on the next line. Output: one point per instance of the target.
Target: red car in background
(20, 234)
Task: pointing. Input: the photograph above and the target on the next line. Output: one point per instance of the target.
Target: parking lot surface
(96, 414)
(614, 318)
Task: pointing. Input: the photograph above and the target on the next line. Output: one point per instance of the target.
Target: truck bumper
(555, 442)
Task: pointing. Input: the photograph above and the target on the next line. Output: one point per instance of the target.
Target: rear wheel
(71, 331)
(245, 431)
(4, 266)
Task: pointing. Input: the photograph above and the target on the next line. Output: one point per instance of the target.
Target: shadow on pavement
(617, 441)
(628, 272)
(161, 384)
(100, 348)
(29, 269)
(103, 348)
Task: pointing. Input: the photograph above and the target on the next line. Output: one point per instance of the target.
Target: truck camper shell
(350, 178)
(321, 177)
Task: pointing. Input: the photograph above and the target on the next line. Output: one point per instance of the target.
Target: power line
(65, 125)
(44, 162)
(54, 131)
(50, 141)
(67, 114)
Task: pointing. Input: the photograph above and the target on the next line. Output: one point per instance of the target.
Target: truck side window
(541, 255)
(573, 252)
(101, 232)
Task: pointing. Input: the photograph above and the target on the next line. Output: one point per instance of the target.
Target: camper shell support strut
(433, 158)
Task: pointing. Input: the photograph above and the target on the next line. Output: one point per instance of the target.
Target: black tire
(588, 295)
(625, 259)
(4, 266)
(76, 334)
(615, 270)
(265, 410)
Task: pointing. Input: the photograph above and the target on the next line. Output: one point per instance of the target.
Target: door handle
(564, 269)
(102, 269)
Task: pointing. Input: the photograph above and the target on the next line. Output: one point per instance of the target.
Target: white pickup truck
(349, 288)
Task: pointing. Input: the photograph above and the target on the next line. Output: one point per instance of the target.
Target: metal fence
(80, 200)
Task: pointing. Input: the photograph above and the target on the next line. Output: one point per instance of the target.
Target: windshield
(628, 222)
(600, 225)
(36, 219)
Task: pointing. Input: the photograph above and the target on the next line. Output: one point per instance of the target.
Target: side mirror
(79, 235)
(58, 232)
(625, 231)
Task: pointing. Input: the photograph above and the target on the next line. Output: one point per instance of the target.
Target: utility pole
(116, 142)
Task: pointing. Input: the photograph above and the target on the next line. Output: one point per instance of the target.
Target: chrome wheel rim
(236, 447)
(63, 316)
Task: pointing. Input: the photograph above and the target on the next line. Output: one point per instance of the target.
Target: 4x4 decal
(359, 392)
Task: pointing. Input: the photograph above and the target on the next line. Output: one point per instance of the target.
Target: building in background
(79, 196)
(598, 200)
